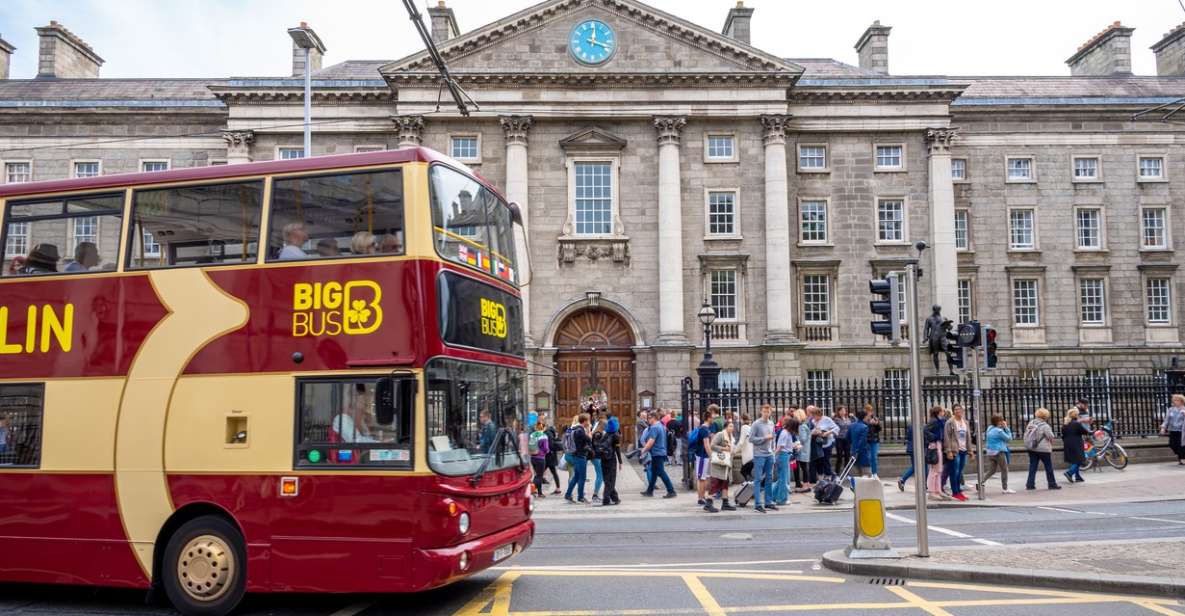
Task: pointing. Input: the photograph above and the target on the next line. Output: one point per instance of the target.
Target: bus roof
(315, 163)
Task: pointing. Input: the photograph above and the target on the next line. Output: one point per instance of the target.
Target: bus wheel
(204, 570)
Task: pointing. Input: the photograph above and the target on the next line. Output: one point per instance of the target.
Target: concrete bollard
(869, 534)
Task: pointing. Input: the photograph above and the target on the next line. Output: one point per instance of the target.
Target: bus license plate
(503, 552)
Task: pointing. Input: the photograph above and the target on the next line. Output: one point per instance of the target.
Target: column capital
(669, 128)
(774, 126)
(939, 140)
(516, 127)
(411, 129)
(238, 145)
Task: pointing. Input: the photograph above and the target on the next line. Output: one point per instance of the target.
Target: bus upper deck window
(75, 235)
(209, 224)
(338, 215)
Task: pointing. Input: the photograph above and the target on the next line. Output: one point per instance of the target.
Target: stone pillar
(411, 130)
(779, 311)
(670, 232)
(945, 264)
(238, 145)
(516, 128)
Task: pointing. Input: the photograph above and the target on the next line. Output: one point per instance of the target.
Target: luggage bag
(828, 492)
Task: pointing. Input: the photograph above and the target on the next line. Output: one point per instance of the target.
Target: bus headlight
(463, 524)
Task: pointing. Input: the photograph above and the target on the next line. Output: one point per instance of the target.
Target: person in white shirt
(294, 237)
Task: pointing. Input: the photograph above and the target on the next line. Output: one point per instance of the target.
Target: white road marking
(1059, 509)
(353, 609)
(1159, 520)
(662, 565)
(945, 531)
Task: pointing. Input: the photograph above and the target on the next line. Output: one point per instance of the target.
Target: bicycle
(1102, 445)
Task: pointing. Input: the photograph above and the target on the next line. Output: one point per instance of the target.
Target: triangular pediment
(532, 45)
(592, 138)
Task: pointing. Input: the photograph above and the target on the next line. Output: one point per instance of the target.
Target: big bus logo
(333, 308)
(493, 318)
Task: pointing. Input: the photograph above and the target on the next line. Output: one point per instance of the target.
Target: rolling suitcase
(828, 492)
(744, 494)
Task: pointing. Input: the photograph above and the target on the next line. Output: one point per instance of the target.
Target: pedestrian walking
(761, 434)
(824, 432)
(996, 449)
(874, 438)
(935, 429)
(784, 449)
(607, 450)
(1039, 443)
(956, 441)
(1174, 427)
(581, 446)
(722, 447)
(843, 445)
(598, 474)
(1073, 445)
(700, 446)
(909, 470)
(804, 478)
(654, 448)
(538, 447)
(554, 449)
(858, 441)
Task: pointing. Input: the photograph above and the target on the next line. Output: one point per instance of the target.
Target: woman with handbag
(720, 471)
(934, 433)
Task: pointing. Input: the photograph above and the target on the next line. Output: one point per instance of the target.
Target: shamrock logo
(358, 313)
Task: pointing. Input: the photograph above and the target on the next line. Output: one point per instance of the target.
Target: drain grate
(886, 581)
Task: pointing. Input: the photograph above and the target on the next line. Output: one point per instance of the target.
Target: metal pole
(976, 395)
(308, 103)
(919, 414)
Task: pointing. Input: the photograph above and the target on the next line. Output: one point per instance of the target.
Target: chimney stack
(6, 50)
(873, 48)
(62, 55)
(444, 23)
(316, 54)
(736, 26)
(1108, 53)
(1170, 53)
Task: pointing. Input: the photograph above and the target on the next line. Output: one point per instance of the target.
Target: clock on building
(592, 42)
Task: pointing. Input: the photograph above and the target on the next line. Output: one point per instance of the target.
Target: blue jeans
(577, 477)
(779, 491)
(763, 467)
(599, 481)
(954, 470)
(658, 470)
(1075, 470)
(874, 450)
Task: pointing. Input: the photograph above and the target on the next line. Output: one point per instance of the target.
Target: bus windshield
(467, 405)
(471, 225)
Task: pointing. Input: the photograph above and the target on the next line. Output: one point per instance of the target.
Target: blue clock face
(592, 42)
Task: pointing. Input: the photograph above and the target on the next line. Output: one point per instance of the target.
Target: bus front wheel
(204, 571)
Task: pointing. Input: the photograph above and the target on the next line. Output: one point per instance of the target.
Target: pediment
(592, 139)
(531, 47)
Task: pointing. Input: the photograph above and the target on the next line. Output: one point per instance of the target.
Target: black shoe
(1068, 476)
(700, 502)
(711, 508)
(616, 502)
(900, 485)
(1030, 487)
(1079, 479)
(771, 507)
(1055, 487)
(583, 500)
(647, 493)
(759, 509)
(569, 499)
(727, 507)
(669, 495)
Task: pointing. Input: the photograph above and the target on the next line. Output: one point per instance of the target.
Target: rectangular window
(16, 173)
(722, 212)
(721, 147)
(962, 237)
(212, 224)
(464, 147)
(149, 166)
(816, 299)
(21, 411)
(1021, 229)
(819, 386)
(1151, 168)
(347, 214)
(62, 235)
(966, 300)
(1092, 298)
(1020, 169)
(813, 221)
(85, 229)
(17, 243)
(470, 410)
(471, 224)
(86, 169)
(1099, 393)
(890, 157)
(958, 169)
(369, 148)
(730, 384)
(1156, 290)
(1154, 222)
(1024, 302)
(723, 294)
(345, 422)
(290, 152)
(1089, 223)
(594, 198)
(890, 220)
(812, 157)
(1086, 169)
(897, 392)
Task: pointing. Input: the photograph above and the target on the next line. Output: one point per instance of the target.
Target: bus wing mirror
(516, 213)
(391, 395)
(516, 218)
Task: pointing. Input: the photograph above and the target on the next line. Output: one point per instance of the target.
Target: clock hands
(593, 41)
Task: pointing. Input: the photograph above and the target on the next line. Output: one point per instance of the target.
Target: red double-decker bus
(302, 375)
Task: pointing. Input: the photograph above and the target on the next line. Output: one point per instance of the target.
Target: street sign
(968, 335)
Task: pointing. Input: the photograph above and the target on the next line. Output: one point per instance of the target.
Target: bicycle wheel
(1090, 460)
(1116, 457)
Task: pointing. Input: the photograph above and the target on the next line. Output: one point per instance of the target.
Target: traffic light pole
(916, 410)
(976, 396)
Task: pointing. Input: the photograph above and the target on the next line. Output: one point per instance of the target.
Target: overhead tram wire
(459, 95)
(1178, 103)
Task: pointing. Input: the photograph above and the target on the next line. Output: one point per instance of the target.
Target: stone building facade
(689, 165)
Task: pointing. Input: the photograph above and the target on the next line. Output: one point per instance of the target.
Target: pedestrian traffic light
(889, 307)
(989, 346)
(954, 357)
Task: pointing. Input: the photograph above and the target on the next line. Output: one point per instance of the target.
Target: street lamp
(709, 378)
(304, 38)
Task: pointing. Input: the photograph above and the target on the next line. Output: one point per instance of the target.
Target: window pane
(594, 198)
(467, 405)
(721, 213)
(340, 425)
(1020, 168)
(86, 170)
(155, 165)
(1151, 167)
(888, 156)
(1155, 233)
(1086, 168)
(958, 169)
(332, 215)
(1159, 304)
(961, 240)
(291, 153)
(723, 293)
(965, 299)
(21, 409)
(812, 157)
(890, 220)
(897, 392)
(198, 225)
(814, 221)
(1020, 229)
(1093, 303)
(819, 388)
(471, 224)
(15, 173)
(720, 146)
(463, 147)
(1089, 223)
(1024, 302)
(78, 234)
(816, 299)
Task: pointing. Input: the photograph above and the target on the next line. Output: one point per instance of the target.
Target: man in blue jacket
(858, 436)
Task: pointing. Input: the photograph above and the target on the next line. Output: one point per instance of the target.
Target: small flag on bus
(485, 261)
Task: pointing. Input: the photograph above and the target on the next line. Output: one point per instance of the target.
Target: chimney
(316, 52)
(1170, 53)
(873, 48)
(1108, 53)
(737, 25)
(6, 50)
(62, 55)
(444, 22)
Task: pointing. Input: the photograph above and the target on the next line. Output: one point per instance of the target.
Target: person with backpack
(578, 444)
(554, 449)
(607, 450)
(655, 449)
(933, 434)
(699, 443)
(1039, 443)
(538, 448)
(598, 477)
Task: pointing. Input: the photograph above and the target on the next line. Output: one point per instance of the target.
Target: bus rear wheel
(204, 571)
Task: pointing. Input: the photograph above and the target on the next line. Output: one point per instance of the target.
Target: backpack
(570, 440)
(1032, 436)
(533, 442)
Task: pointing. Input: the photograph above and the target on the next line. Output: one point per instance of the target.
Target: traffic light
(889, 307)
(989, 346)
(954, 357)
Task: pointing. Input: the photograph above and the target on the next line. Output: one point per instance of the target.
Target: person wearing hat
(43, 259)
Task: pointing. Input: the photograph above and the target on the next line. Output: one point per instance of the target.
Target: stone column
(945, 264)
(411, 130)
(670, 232)
(779, 312)
(516, 128)
(238, 145)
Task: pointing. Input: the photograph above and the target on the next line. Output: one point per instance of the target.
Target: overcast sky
(220, 38)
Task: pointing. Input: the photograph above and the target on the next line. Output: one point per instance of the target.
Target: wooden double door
(594, 350)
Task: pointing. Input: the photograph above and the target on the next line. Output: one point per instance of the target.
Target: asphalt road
(742, 563)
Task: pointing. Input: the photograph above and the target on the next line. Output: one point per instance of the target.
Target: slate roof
(993, 87)
(352, 69)
(91, 92)
(829, 67)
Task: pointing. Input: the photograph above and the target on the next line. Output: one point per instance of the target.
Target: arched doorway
(594, 349)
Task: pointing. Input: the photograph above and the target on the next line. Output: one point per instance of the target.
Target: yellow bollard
(869, 539)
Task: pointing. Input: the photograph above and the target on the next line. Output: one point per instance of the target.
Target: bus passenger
(327, 248)
(391, 244)
(43, 259)
(488, 431)
(352, 425)
(294, 237)
(86, 257)
(362, 243)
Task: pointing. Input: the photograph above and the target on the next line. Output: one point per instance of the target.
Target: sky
(223, 38)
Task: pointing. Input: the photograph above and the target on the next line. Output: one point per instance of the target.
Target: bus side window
(354, 422)
(340, 215)
(21, 411)
(208, 224)
(78, 234)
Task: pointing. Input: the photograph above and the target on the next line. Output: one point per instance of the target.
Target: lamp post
(304, 38)
(709, 380)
